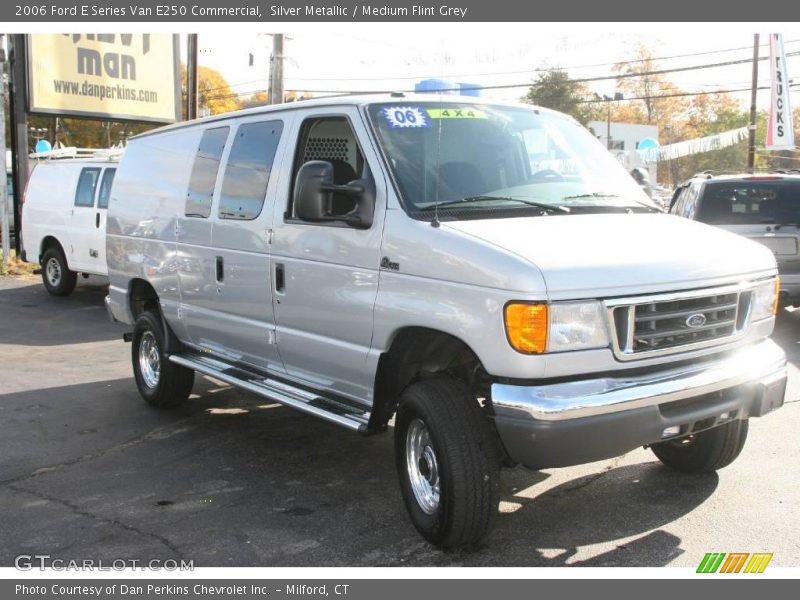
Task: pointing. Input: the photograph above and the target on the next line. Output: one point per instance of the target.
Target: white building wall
(625, 138)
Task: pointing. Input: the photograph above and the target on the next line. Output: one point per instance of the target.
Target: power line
(523, 72)
(540, 69)
(616, 77)
(598, 100)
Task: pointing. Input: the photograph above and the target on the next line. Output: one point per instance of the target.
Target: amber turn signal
(526, 327)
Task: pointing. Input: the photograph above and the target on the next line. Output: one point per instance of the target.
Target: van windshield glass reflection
(465, 158)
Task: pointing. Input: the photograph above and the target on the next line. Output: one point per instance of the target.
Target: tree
(257, 99)
(214, 95)
(554, 89)
(641, 80)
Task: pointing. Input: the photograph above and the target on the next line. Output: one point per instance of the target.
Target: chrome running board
(332, 410)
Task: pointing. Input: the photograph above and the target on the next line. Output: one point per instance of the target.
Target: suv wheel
(704, 452)
(447, 463)
(161, 383)
(56, 276)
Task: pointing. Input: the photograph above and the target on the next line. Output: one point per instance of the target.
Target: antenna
(435, 222)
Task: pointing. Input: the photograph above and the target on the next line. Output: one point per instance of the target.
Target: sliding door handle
(220, 269)
(280, 278)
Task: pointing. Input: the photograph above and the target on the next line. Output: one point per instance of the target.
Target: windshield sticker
(403, 117)
(456, 113)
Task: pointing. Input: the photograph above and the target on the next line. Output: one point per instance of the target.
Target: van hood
(603, 255)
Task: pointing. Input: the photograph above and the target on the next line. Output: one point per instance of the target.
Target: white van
(64, 219)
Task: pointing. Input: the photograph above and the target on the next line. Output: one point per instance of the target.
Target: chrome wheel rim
(423, 467)
(149, 359)
(53, 272)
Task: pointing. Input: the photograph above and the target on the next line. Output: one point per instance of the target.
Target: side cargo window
(87, 184)
(204, 172)
(247, 172)
(105, 188)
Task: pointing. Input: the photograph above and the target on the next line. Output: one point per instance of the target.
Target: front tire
(447, 462)
(57, 278)
(161, 383)
(704, 452)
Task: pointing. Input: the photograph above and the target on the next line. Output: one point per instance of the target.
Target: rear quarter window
(751, 202)
(87, 184)
(105, 188)
(204, 172)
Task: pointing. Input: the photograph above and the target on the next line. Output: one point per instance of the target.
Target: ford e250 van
(486, 275)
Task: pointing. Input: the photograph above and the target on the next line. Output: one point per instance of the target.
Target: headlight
(558, 327)
(576, 326)
(765, 300)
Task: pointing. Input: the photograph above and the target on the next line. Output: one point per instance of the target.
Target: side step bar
(351, 417)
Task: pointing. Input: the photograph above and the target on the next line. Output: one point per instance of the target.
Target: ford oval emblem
(696, 320)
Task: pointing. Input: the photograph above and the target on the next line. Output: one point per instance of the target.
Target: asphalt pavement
(89, 471)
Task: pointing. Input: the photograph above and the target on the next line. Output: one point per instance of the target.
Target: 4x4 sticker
(456, 113)
(403, 117)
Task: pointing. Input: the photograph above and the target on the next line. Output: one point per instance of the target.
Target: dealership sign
(780, 132)
(105, 75)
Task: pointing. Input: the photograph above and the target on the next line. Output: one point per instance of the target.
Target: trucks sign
(105, 75)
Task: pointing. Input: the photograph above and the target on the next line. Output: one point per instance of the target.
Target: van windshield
(485, 161)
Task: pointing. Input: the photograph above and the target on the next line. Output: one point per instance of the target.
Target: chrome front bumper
(583, 420)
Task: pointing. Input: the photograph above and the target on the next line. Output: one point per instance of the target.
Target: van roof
(78, 161)
(343, 100)
(763, 175)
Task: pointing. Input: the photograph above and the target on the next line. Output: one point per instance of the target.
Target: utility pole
(5, 232)
(19, 126)
(191, 77)
(751, 147)
(276, 70)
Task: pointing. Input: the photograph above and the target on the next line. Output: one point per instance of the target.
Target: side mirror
(314, 187)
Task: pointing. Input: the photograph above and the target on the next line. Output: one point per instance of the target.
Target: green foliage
(554, 89)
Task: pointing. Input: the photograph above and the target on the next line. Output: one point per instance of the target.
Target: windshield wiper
(604, 195)
(591, 195)
(484, 198)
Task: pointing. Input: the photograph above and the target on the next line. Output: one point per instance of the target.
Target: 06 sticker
(403, 117)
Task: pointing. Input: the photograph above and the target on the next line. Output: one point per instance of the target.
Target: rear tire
(57, 278)
(704, 452)
(161, 383)
(447, 462)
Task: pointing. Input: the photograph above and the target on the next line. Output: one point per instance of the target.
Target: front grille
(676, 322)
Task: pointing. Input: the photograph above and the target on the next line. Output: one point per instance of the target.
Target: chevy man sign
(118, 76)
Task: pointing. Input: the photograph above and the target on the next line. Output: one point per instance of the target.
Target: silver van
(485, 274)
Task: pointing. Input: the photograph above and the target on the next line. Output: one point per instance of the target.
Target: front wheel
(161, 383)
(57, 278)
(704, 452)
(447, 463)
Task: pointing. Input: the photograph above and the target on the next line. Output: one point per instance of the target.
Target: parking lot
(87, 470)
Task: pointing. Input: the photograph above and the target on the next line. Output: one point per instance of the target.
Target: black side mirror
(313, 188)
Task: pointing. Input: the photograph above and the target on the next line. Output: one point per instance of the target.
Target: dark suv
(764, 207)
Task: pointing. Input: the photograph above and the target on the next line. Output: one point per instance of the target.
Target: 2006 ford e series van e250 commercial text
(486, 274)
